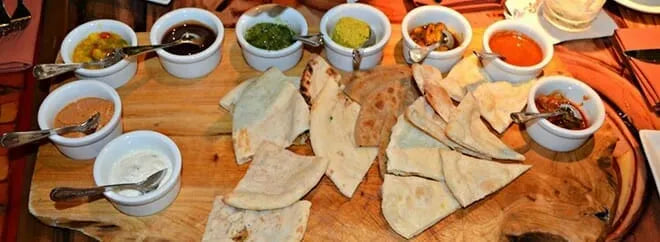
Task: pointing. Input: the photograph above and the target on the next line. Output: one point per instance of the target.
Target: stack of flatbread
(439, 154)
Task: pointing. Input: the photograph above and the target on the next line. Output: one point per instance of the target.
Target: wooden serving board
(577, 196)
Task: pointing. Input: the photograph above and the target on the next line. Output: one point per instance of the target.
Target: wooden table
(160, 102)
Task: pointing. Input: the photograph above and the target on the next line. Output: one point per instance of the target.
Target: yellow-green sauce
(96, 46)
(350, 32)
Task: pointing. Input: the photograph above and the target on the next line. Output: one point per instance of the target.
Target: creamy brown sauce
(77, 112)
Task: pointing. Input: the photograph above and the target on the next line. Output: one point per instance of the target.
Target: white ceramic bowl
(188, 66)
(557, 138)
(86, 147)
(261, 59)
(151, 202)
(115, 75)
(457, 24)
(342, 57)
(499, 70)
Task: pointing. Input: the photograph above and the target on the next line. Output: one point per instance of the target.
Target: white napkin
(529, 12)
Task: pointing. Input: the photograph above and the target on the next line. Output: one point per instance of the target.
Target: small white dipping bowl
(86, 147)
(195, 65)
(151, 202)
(499, 70)
(457, 24)
(342, 57)
(262, 59)
(115, 75)
(557, 138)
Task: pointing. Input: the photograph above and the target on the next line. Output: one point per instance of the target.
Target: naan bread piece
(471, 179)
(227, 223)
(465, 75)
(383, 93)
(269, 109)
(467, 129)
(413, 152)
(276, 178)
(230, 99)
(411, 204)
(317, 72)
(497, 100)
(332, 127)
(428, 80)
(423, 117)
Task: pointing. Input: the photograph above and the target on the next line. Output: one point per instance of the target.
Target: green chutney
(270, 36)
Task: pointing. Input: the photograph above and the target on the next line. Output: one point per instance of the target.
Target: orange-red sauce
(516, 48)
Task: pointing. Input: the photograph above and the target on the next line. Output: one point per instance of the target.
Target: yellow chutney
(96, 46)
(350, 32)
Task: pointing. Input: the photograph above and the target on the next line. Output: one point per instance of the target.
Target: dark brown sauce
(194, 28)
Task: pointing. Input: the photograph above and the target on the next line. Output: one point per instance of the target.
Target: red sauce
(550, 103)
(517, 48)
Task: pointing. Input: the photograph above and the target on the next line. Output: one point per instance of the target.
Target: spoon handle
(314, 40)
(141, 49)
(13, 139)
(59, 194)
(523, 117)
(43, 71)
(69, 193)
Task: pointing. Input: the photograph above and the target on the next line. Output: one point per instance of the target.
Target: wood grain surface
(571, 195)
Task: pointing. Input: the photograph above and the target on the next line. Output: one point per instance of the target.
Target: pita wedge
(226, 223)
(497, 100)
(317, 72)
(332, 132)
(423, 117)
(412, 204)
(471, 179)
(413, 152)
(276, 178)
(269, 109)
(466, 128)
(428, 80)
(464, 76)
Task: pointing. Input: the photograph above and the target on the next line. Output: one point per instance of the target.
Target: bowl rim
(148, 197)
(88, 139)
(345, 51)
(594, 125)
(213, 48)
(78, 31)
(244, 20)
(540, 39)
(438, 9)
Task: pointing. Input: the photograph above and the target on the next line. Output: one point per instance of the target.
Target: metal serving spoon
(357, 56)
(68, 193)
(570, 114)
(487, 55)
(43, 71)
(13, 139)
(314, 40)
(417, 54)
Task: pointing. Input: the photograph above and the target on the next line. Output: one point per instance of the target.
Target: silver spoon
(43, 71)
(68, 193)
(571, 114)
(314, 40)
(357, 56)
(418, 54)
(487, 55)
(13, 139)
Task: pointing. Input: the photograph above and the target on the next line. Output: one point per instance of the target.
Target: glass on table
(572, 15)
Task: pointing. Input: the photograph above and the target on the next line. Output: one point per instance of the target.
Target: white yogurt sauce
(137, 166)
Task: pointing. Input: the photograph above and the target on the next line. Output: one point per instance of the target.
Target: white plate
(647, 6)
(163, 2)
(651, 143)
